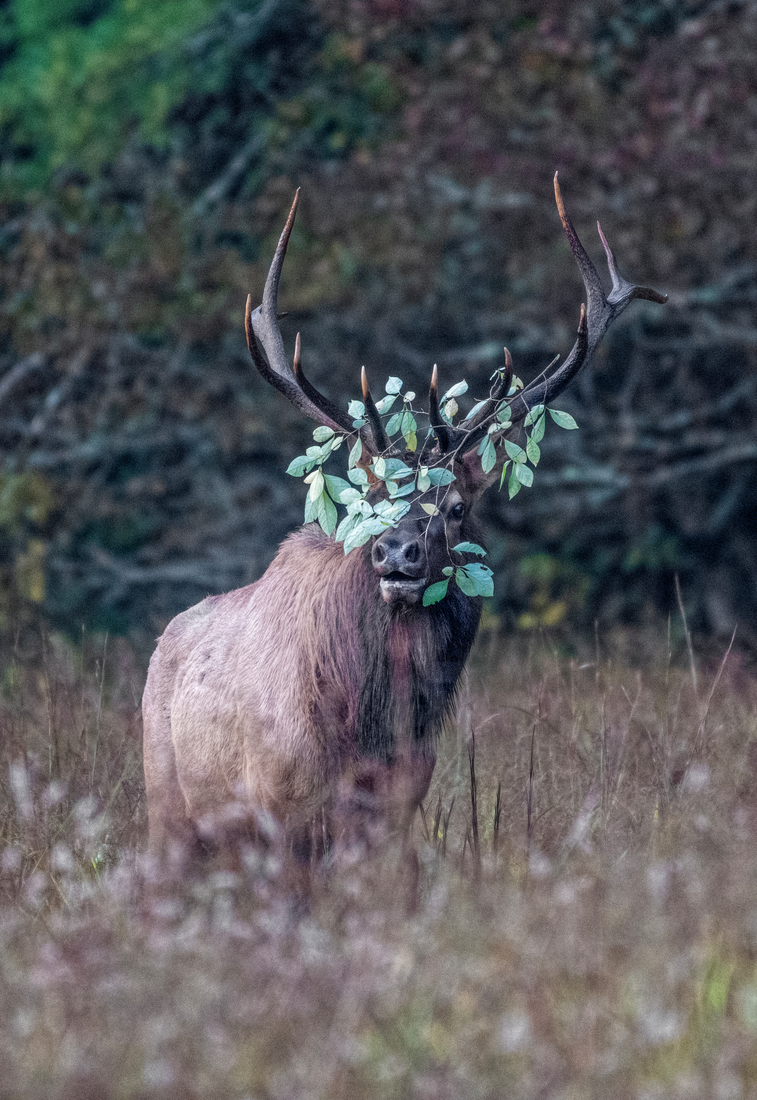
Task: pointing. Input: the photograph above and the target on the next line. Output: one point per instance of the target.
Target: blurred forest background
(149, 150)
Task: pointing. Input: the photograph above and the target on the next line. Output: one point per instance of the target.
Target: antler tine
(440, 429)
(284, 383)
(596, 316)
(262, 323)
(342, 420)
(380, 438)
(601, 311)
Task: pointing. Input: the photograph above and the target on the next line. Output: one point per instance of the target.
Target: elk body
(325, 685)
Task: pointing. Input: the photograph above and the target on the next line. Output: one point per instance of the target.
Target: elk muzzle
(399, 558)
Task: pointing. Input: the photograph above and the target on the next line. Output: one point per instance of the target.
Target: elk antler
(600, 311)
(440, 429)
(262, 323)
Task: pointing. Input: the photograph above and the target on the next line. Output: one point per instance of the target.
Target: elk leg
(171, 834)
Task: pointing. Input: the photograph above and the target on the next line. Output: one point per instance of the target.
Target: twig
(700, 732)
(475, 849)
(686, 631)
(446, 827)
(497, 817)
(437, 822)
(17, 373)
(529, 797)
(99, 706)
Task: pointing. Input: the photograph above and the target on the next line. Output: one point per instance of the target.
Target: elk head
(413, 553)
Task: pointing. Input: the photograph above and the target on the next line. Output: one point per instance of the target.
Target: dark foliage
(424, 135)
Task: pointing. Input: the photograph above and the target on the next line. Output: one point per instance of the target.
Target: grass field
(587, 925)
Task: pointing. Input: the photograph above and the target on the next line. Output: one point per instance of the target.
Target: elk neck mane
(382, 673)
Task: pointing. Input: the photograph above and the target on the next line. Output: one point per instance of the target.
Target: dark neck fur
(413, 657)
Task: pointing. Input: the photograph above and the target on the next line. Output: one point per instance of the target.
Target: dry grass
(589, 931)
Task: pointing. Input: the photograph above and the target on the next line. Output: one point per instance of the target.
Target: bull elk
(325, 684)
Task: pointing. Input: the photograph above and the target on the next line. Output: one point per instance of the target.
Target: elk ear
(364, 463)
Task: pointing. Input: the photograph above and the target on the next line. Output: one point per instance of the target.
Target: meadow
(586, 924)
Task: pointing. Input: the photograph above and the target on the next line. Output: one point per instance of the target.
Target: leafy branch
(365, 518)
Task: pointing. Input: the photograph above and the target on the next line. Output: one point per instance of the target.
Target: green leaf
(411, 442)
(326, 513)
(516, 453)
(356, 409)
(489, 457)
(450, 409)
(355, 453)
(562, 419)
(440, 475)
(533, 415)
(362, 531)
(465, 583)
(391, 512)
(336, 486)
(503, 475)
(435, 592)
(475, 579)
(379, 468)
(423, 480)
(393, 385)
(404, 490)
(477, 569)
(320, 454)
(311, 509)
(533, 452)
(358, 476)
(503, 413)
(469, 548)
(408, 422)
(385, 403)
(524, 474)
(537, 432)
(448, 571)
(375, 525)
(431, 509)
(300, 465)
(396, 469)
(346, 527)
(513, 485)
(456, 391)
(321, 434)
(349, 495)
(357, 537)
(394, 423)
(475, 409)
(316, 485)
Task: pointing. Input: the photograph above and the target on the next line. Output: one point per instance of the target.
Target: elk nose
(393, 554)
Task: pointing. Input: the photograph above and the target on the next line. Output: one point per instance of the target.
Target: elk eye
(458, 511)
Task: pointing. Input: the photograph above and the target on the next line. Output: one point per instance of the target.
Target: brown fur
(300, 691)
